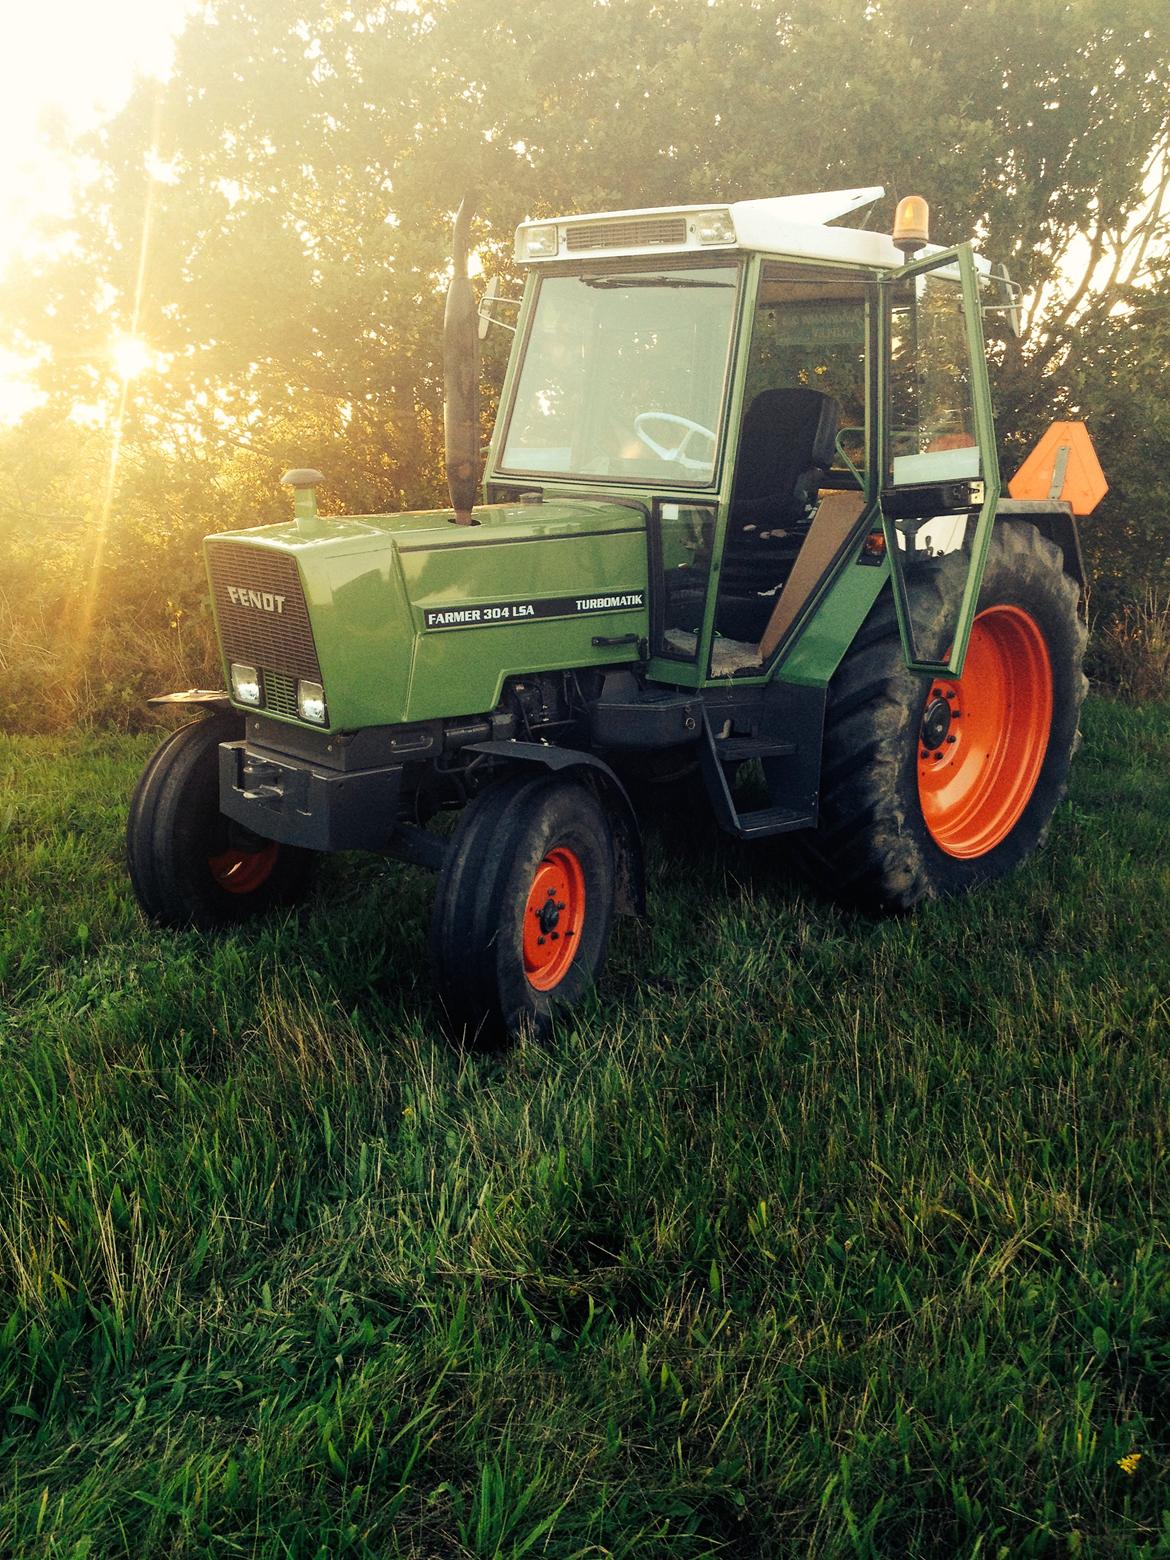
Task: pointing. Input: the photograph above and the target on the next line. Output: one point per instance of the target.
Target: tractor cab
(779, 394)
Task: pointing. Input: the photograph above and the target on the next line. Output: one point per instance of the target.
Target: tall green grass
(814, 1236)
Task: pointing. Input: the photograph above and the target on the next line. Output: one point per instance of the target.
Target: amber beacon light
(911, 224)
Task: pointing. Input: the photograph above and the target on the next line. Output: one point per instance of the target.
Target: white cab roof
(783, 225)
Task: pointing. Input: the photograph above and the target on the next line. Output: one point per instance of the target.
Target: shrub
(1130, 654)
(49, 682)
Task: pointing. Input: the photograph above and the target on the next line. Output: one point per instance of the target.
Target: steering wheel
(690, 429)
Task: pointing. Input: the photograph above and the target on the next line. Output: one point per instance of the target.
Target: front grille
(280, 694)
(640, 233)
(260, 605)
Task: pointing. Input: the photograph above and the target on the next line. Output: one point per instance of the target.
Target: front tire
(931, 786)
(523, 908)
(189, 865)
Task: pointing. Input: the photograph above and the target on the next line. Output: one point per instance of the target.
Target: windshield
(623, 376)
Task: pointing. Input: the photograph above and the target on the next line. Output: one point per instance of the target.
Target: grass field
(817, 1236)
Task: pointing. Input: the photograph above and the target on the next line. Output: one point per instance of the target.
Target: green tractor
(741, 507)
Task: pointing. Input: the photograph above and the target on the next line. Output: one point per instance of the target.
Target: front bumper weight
(293, 801)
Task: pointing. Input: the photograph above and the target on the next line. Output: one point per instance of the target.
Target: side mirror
(1009, 300)
(489, 303)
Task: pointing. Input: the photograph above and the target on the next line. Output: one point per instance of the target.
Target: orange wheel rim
(553, 917)
(984, 735)
(244, 871)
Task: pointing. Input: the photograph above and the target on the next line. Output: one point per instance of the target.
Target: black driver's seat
(786, 447)
(785, 450)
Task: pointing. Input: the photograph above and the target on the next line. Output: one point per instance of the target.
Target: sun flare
(131, 356)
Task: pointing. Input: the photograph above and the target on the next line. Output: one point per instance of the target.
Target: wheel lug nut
(952, 739)
(540, 942)
(950, 693)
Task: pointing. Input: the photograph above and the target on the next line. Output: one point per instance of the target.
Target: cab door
(938, 466)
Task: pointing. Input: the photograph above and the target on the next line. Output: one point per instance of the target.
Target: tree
(293, 248)
(274, 220)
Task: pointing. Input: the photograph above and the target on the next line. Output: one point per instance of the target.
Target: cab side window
(804, 392)
(810, 333)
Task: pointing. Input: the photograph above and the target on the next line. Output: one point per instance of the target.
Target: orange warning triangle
(1082, 483)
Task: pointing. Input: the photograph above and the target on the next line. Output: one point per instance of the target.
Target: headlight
(715, 227)
(311, 702)
(537, 243)
(245, 684)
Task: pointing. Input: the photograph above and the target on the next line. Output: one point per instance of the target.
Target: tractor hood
(409, 617)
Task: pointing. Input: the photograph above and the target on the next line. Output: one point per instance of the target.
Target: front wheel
(523, 907)
(932, 786)
(189, 865)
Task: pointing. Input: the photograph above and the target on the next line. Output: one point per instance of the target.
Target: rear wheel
(985, 736)
(523, 907)
(931, 786)
(189, 865)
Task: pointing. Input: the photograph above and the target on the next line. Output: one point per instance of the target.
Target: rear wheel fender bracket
(1056, 523)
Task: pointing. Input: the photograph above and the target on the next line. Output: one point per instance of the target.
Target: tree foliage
(274, 219)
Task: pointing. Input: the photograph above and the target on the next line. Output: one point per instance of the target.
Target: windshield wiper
(650, 281)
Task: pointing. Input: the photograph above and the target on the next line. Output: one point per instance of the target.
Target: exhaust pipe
(461, 375)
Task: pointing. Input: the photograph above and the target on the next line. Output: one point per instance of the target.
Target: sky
(72, 62)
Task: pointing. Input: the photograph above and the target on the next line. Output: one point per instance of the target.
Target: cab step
(740, 749)
(756, 823)
(770, 820)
